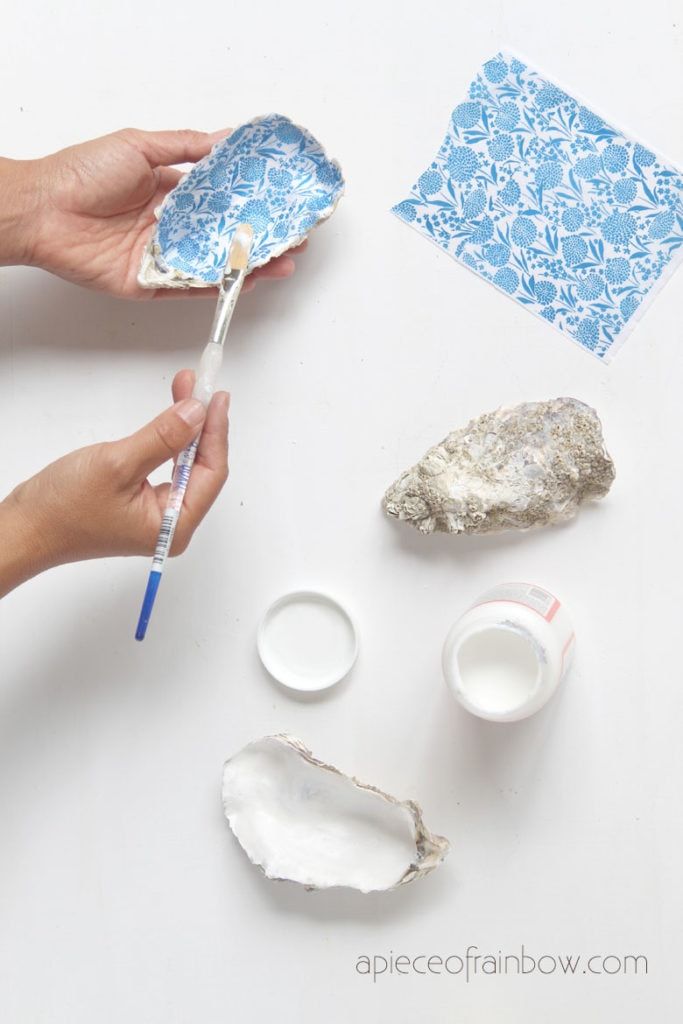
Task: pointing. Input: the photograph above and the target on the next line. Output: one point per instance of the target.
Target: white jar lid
(307, 641)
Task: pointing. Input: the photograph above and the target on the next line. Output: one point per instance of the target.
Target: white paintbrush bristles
(240, 247)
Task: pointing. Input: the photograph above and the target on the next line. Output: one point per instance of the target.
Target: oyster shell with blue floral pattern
(269, 172)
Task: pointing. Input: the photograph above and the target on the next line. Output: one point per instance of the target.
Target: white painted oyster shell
(302, 820)
(270, 173)
(525, 466)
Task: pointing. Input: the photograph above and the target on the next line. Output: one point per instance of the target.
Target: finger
(272, 271)
(182, 385)
(167, 178)
(181, 388)
(283, 266)
(174, 147)
(161, 439)
(279, 268)
(210, 471)
(185, 293)
(213, 446)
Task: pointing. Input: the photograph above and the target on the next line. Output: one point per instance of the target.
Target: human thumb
(163, 438)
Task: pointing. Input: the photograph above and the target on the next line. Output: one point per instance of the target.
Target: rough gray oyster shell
(518, 467)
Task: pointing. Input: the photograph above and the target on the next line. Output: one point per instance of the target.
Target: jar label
(536, 598)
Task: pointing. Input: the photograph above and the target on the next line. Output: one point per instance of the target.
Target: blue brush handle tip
(147, 604)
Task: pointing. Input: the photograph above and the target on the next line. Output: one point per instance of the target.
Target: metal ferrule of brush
(231, 283)
(229, 290)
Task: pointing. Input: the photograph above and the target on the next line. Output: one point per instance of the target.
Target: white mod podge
(307, 641)
(499, 669)
(504, 658)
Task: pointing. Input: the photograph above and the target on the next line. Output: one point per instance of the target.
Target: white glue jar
(504, 658)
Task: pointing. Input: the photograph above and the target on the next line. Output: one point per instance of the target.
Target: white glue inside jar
(505, 657)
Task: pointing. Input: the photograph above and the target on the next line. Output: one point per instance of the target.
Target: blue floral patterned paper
(269, 172)
(540, 196)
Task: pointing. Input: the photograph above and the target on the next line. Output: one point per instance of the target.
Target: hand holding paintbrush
(210, 363)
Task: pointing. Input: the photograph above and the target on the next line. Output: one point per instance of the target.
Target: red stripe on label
(552, 611)
(510, 600)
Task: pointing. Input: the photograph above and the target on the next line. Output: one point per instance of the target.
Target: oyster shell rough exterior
(301, 820)
(269, 172)
(519, 467)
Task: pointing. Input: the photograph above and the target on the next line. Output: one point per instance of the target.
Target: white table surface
(123, 896)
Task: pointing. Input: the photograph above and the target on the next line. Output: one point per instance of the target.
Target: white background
(123, 896)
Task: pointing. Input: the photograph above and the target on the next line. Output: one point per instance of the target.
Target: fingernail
(192, 411)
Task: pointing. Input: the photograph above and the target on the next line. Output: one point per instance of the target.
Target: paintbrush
(209, 365)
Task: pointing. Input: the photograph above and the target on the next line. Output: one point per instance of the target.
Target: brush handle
(207, 374)
(205, 384)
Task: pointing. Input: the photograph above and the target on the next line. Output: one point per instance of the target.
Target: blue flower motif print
(288, 132)
(590, 121)
(522, 231)
(188, 247)
(462, 163)
(549, 96)
(219, 174)
(501, 147)
(279, 178)
(543, 198)
(507, 279)
(548, 174)
(495, 70)
(317, 203)
(591, 287)
(507, 117)
(252, 168)
(466, 115)
(496, 254)
(615, 157)
(510, 193)
(474, 204)
(574, 250)
(662, 224)
(482, 232)
(545, 292)
(624, 190)
(406, 211)
(220, 202)
(642, 156)
(257, 213)
(618, 228)
(588, 166)
(628, 306)
(185, 201)
(328, 174)
(429, 182)
(588, 332)
(572, 218)
(617, 270)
